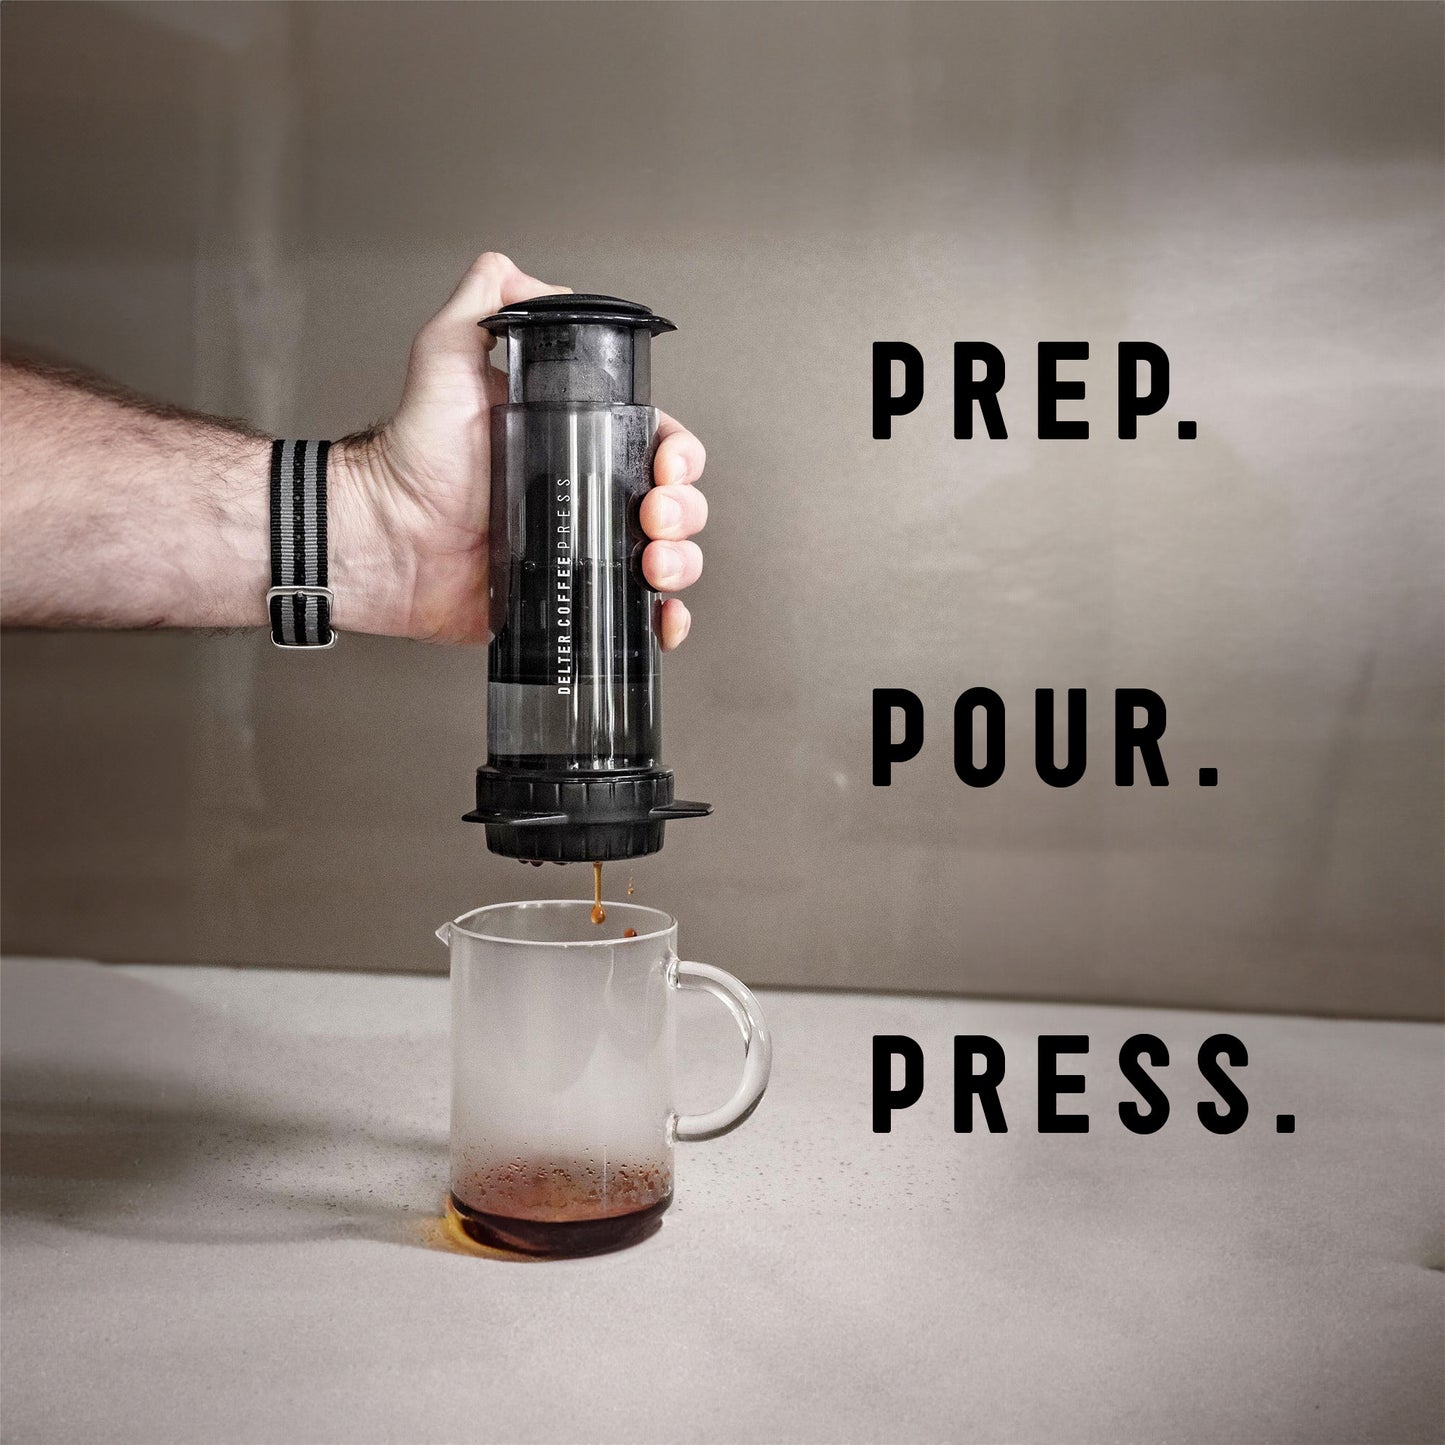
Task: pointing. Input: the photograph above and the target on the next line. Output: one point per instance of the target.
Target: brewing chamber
(574, 703)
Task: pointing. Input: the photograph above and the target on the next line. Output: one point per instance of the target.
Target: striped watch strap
(300, 599)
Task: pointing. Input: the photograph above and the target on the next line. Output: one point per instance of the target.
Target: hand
(420, 487)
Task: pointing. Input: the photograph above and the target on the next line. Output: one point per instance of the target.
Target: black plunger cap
(578, 350)
(577, 310)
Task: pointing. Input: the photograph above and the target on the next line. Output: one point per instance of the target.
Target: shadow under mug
(563, 1050)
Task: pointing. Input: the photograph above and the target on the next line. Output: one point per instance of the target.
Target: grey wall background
(252, 208)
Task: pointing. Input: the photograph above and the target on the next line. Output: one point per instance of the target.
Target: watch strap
(300, 598)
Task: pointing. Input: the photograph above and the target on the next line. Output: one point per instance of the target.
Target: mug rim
(669, 923)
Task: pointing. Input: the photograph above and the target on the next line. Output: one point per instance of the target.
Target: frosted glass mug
(563, 1049)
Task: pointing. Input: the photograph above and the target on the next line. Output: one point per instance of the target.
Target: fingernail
(671, 568)
(666, 513)
(677, 469)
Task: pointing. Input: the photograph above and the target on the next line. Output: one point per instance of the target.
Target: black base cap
(577, 817)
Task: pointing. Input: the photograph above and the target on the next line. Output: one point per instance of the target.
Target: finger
(680, 456)
(671, 566)
(672, 513)
(676, 623)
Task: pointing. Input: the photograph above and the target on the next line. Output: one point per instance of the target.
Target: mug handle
(757, 1052)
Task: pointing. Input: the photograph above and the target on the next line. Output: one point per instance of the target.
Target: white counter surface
(221, 1191)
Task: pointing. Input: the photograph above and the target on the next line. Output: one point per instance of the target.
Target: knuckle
(491, 262)
(427, 342)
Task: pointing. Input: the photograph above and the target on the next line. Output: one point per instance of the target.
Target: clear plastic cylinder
(573, 682)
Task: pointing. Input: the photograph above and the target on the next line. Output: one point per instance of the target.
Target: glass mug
(562, 1073)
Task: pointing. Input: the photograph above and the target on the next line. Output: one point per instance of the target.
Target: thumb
(491, 282)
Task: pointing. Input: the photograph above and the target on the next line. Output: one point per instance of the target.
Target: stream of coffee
(599, 913)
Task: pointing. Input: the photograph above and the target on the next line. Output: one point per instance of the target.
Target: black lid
(579, 310)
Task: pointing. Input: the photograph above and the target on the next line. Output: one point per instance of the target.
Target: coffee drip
(599, 913)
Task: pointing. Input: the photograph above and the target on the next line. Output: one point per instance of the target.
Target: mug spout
(444, 934)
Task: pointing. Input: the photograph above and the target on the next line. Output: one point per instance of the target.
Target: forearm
(117, 513)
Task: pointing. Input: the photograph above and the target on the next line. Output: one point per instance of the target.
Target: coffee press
(574, 706)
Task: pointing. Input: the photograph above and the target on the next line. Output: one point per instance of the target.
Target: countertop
(222, 1189)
